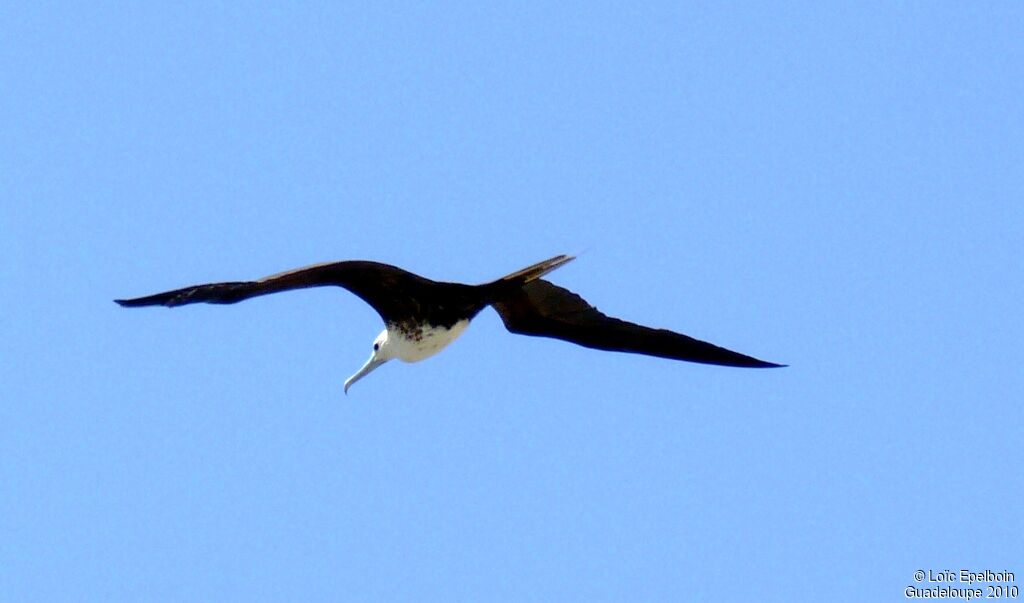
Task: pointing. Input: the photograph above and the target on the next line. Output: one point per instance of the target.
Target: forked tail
(529, 274)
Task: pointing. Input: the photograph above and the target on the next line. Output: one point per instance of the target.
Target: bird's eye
(376, 347)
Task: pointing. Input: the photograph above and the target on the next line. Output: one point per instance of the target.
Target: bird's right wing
(546, 310)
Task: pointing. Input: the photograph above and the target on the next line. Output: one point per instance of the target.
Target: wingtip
(134, 303)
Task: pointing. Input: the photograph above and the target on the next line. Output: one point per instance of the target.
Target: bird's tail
(531, 273)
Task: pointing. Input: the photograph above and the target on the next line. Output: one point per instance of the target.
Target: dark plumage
(412, 305)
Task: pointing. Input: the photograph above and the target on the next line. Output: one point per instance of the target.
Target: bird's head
(382, 352)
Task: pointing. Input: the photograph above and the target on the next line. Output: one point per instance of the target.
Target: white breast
(425, 342)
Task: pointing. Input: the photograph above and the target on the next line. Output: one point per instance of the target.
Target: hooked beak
(371, 364)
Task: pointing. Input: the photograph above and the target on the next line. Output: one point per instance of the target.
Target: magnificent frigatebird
(422, 316)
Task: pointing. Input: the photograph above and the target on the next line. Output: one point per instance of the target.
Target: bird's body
(423, 316)
(413, 343)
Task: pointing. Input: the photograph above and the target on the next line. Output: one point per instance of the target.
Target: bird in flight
(422, 316)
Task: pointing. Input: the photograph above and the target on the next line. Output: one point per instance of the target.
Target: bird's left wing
(546, 310)
(390, 290)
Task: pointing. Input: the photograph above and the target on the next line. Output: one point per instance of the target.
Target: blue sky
(833, 186)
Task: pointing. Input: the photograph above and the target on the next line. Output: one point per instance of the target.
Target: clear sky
(833, 186)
